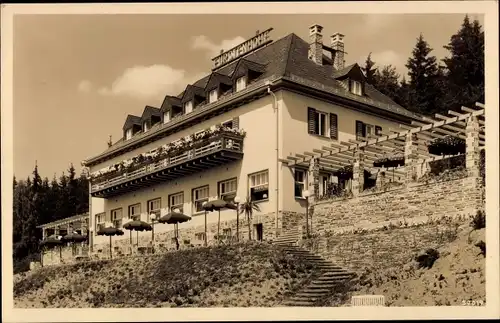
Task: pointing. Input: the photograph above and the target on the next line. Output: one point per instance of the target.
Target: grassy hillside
(246, 274)
(457, 275)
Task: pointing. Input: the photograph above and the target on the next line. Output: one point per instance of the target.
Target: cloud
(387, 57)
(85, 86)
(213, 49)
(150, 81)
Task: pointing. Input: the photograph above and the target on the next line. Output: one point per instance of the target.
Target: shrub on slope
(246, 274)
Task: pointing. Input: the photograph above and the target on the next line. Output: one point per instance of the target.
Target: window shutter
(236, 122)
(334, 130)
(378, 130)
(310, 120)
(359, 129)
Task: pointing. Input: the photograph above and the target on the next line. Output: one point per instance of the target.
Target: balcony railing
(227, 141)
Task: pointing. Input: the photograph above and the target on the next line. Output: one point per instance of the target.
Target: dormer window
(188, 107)
(128, 134)
(145, 126)
(213, 96)
(166, 116)
(241, 83)
(356, 87)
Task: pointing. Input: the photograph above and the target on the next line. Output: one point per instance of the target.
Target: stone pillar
(472, 158)
(44, 233)
(313, 178)
(313, 187)
(358, 172)
(381, 179)
(56, 231)
(411, 156)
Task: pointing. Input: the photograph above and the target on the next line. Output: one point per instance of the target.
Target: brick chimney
(338, 44)
(316, 44)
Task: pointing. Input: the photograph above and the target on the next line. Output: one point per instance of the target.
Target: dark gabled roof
(169, 102)
(287, 57)
(217, 78)
(353, 70)
(245, 64)
(132, 120)
(150, 111)
(300, 65)
(192, 91)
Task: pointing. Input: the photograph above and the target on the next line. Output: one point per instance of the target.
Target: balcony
(218, 148)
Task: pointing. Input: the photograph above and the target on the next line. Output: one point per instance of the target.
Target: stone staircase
(331, 276)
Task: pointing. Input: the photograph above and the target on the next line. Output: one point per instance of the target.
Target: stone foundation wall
(456, 197)
(388, 246)
(387, 228)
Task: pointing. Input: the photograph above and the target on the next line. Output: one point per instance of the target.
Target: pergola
(410, 141)
(76, 222)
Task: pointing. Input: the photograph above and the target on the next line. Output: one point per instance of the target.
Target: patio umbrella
(73, 237)
(137, 225)
(53, 241)
(175, 218)
(218, 205)
(110, 231)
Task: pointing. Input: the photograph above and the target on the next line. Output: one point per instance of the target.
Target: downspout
(278, 164)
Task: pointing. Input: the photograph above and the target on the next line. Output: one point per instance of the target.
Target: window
(166, 116)
(176, 201)
(226, 232)
(134, 211)
(100, 218)
(241, 83)
(188, 107)
(300, 182)
(154, 206)
(317, 123)
(145, 126)
(259, 185)
(200, 236)
(200, 195)
(370, 130)
(212, 97)
(128, 134)
(116, 217)
(227, 190)
(363, 130)
(356, 87)
(319, 120)
(228, 124)
(323, 185)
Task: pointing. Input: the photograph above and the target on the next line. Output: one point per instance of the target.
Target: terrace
(188, 156)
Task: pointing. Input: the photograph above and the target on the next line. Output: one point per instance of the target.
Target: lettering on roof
(242, 49)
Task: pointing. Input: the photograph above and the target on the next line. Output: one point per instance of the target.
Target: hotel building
(227, 135)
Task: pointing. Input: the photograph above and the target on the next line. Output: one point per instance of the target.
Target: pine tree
(83, 194)
(465, 66)
(387, 81)
(62, 210)
(72, 193)
(424, 93)
(403, 93)
(369, 71)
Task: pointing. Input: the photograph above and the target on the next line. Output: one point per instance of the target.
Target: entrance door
(260, 231)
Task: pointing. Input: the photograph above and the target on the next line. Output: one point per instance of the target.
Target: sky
(77, 77)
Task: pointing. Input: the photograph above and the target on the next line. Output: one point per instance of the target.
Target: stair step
(333, 274)
(314, 291)
(298, 303)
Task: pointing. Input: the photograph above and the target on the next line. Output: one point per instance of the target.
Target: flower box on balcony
(171, 155)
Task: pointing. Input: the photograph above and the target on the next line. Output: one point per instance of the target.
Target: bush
(427, 259)
(482, 246)
(478, 221)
